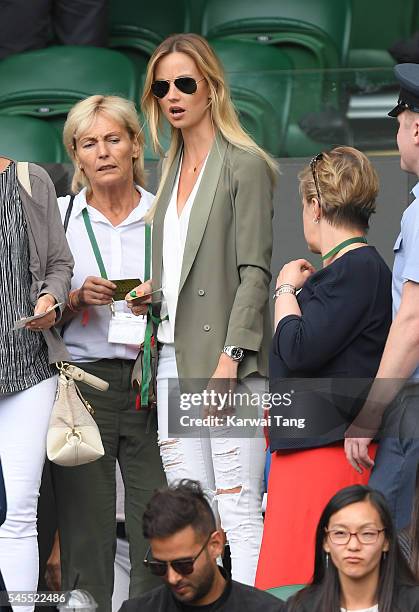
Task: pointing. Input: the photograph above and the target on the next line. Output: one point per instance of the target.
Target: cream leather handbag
(73, 436)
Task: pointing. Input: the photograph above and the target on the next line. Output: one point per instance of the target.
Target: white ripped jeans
(24, 418)
(219, 463)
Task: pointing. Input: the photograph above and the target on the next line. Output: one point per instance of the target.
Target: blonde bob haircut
(223, 114)
(80, 119)
(347, 185)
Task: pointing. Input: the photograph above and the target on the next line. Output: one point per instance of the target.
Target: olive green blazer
(224, 285)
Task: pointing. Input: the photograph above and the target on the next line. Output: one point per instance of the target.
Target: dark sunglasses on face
(180, 566)
(186, 85)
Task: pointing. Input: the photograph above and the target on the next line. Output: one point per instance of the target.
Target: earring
(385, 555)
(327, 560)
(315, 220)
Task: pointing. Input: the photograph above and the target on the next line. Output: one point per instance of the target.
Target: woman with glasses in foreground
(331, 334)
(358, 563)
(211, 254)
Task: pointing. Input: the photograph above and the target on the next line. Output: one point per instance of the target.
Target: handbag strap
(68, 213)
(151, 328)
(147, 252)
(146, 365)
(23, 176)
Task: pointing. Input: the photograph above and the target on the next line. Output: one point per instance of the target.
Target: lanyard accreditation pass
(96, 250)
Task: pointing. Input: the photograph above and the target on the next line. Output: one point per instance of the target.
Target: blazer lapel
(202, 206)
(158, 225)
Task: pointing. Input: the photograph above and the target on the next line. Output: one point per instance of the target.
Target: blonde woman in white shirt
(102, 136)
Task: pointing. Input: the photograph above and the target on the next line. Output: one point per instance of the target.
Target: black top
(236, 597)
(406, 600)
(346, 316)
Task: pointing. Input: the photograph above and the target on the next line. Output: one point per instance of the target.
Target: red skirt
(300, 485)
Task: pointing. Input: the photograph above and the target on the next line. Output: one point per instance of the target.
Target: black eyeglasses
(180, 566)
(313, 166)
(186, 85)
(342, 536)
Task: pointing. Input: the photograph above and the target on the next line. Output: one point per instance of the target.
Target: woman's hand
(221, 382)
(295, 273)
(44, 304)
(139, 305)
(95, 291)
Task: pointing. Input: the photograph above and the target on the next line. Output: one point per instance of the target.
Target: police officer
(398, 375)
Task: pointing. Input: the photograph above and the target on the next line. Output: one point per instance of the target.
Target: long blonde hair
(223, 114)
(80, 119)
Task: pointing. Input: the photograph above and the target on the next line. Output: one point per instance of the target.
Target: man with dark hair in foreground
(184, 546)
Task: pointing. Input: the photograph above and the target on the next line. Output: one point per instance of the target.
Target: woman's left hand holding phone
(45, 303)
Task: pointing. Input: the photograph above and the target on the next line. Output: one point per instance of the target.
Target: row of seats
(362, 31)
(283, 62)
(45, 84)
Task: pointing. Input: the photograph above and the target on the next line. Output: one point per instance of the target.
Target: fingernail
(133, 293)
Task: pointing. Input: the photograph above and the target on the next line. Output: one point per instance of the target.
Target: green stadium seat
(48, 82)
(260, 79)
(415, 19)
(45, 84)
(267, 20)
(390, 21)
(164, 136)
(196, 10)
(315, 36)
(137, 27)
(28, 139)
(285, 592)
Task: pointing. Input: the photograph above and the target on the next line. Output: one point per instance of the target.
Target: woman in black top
(358, 562)
(334, 330)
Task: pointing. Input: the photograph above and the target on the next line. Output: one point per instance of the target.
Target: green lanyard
(344, 244)
(94, 243)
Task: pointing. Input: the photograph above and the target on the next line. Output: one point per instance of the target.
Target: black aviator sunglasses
(187, 85)
(180, 566)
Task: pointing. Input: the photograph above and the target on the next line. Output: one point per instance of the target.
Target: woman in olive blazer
(211, 254)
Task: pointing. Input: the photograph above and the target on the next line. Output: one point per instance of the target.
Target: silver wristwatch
(235, 352)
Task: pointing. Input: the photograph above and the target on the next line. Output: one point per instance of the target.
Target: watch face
(237, 353)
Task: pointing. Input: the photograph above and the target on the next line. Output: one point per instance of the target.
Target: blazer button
(201, 292)
(206, 327)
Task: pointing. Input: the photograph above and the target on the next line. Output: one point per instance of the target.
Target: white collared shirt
(122, 250)
(174, 238)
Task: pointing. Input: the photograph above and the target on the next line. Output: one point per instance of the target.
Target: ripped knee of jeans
(227, 491)
(228, 469)
(171, 454)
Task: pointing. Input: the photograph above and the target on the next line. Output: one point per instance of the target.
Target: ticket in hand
(124, 286)
(22, 322)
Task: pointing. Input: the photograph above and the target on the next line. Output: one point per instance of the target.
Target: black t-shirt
(215, 605)
(236, 597)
